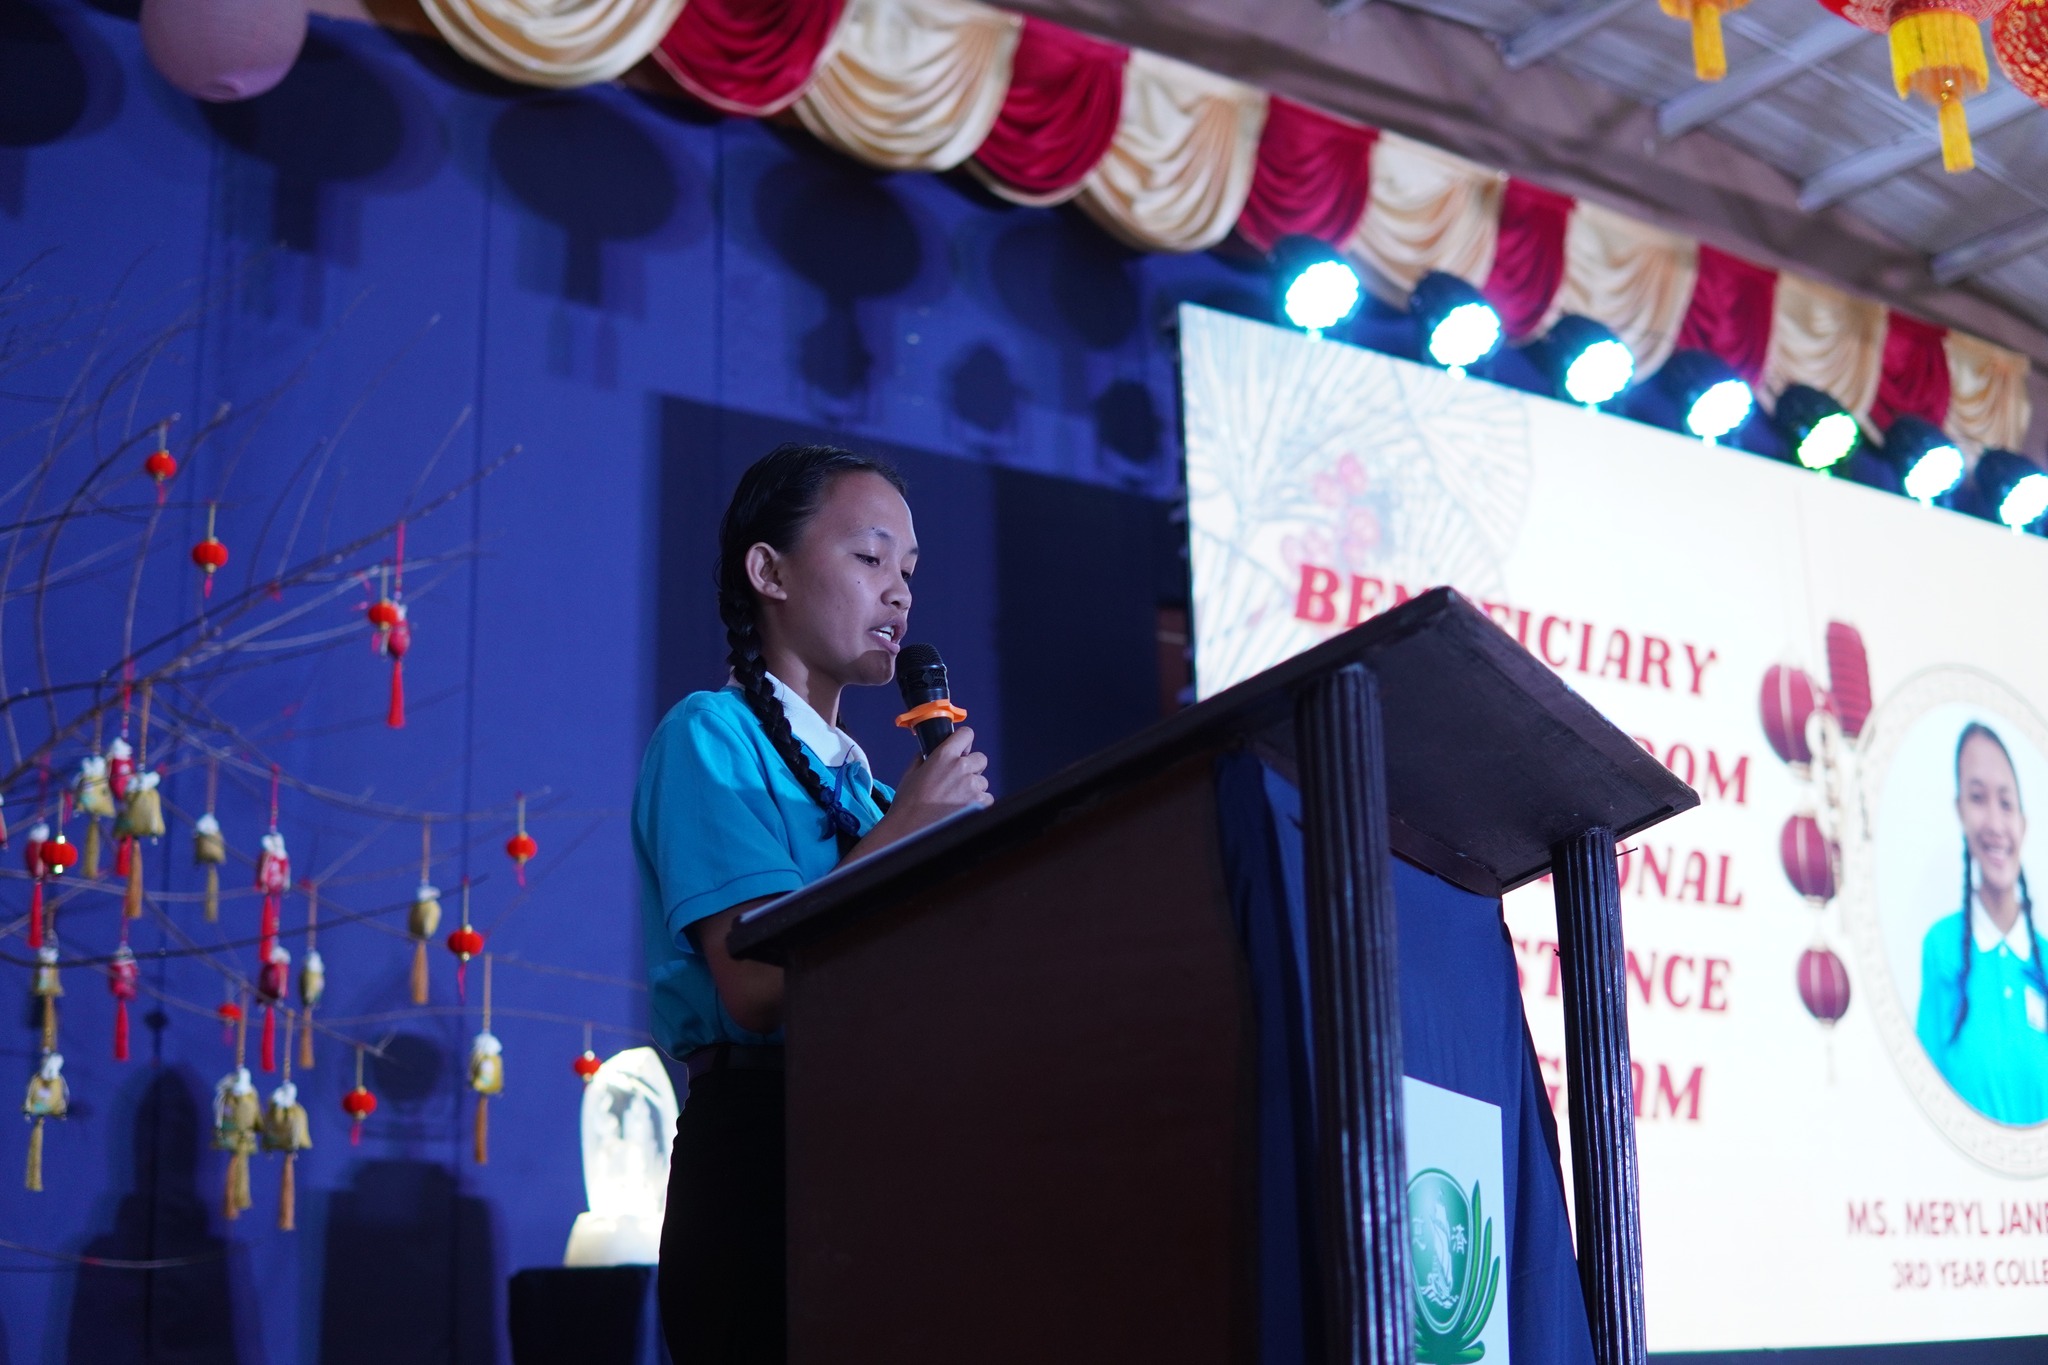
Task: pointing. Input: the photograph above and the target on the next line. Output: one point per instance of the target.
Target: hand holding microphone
(949, 776)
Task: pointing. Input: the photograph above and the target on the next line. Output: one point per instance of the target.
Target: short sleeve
(706, 821)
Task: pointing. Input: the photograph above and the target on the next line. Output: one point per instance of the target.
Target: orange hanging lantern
(210, 554)
(521, 847)
(2019, 35)
(358, 1104)
(465, 943)
(1709, 54)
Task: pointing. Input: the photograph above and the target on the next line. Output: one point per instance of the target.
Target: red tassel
(208, 593)
(462, 981)
(124, 853)
(120, 1030)
(355, 1133)
(269, 1062)
(266, 930)
(35, 916)
(396, 719)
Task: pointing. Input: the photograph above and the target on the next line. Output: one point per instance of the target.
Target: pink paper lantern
(1823, 985)
(1788, 700)
(222, 50)
(1848, 677)
(1808, 858)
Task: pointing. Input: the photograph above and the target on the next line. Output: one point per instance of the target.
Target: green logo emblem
(1457, 1276)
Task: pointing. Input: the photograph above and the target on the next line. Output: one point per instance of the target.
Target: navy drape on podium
(1462, 1029)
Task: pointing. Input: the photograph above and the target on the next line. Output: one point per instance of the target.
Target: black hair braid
(775, 500)
(1969, 951)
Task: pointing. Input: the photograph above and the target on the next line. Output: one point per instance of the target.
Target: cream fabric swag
(912, 85)
(555, 43)
(1987, 393)
(1827, 339)
(1428, 210)
(1180, 166)
(1635, 279)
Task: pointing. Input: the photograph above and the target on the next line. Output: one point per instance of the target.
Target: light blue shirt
(718, 819)
(1998, 1064)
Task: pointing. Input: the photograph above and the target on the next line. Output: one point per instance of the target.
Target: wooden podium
(1020, 1046)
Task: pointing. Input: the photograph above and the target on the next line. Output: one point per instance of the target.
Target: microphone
(927, 699)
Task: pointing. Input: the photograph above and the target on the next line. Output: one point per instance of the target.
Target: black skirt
(723, 1267)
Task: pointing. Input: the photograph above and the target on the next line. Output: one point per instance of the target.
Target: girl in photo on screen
(747, 793)
(1983, 983)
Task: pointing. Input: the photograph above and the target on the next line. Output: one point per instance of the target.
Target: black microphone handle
(932, 733)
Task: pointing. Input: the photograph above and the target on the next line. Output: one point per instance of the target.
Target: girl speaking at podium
(748, 793)
(1983, 1014)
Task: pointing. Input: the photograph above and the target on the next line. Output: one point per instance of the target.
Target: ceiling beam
(1757, 73)
(1872, 166)
(1530, 45)
(1988, 252)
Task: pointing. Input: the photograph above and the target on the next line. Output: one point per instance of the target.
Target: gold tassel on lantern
(47, 988)
(95, 800)
(486, 1073)
(237, 1116)
(48, 1098)
(1709, 53)
(312, 976)
(425, 917)
(1938, 54)
(286, 1130)
(209, 850)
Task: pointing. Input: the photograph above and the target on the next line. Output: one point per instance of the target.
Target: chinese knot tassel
(483, 1130)
(288, 1196)
(33, 1180)
(131, 901)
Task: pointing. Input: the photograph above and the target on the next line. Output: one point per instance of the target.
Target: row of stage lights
(1586, 363)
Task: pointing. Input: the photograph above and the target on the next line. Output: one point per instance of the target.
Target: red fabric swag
(1313, 177)
(1730, 312)
(1528, 262)
(1915, 378)
(748, 57)
(1066, 92)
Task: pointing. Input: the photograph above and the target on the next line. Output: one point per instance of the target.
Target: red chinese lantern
(229, 1014)
(521, 847)
(1709, 55)
(2019, 35)
(394, 630)
(1787, 702)
(124, 980)
(586, 1065)
(465, 943)
(32, 859)
(209, 554)
(1823, 985)
(161, 465)
(1937, 54)
(358, 1104)
(1808, 858)
(1848, 678)
(59, 854)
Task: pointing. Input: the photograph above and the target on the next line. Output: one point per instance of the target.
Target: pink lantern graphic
(1848, 678)
(1808, 858)
(1823, 985)
(1788, 700)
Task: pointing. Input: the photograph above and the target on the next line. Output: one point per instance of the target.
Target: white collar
(832, 745)
(1986, 934)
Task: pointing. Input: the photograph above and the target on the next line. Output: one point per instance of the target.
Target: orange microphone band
(931, 710)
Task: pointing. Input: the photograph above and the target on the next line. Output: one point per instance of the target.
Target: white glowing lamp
(629, 1120)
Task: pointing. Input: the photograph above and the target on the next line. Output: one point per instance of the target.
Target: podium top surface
(1491, 759)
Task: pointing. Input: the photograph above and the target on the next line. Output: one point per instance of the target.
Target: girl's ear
(764, 572)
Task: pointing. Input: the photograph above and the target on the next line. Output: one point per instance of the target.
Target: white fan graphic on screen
(1311, 452)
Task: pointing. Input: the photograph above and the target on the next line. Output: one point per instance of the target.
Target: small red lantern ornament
(32, 859)
(394, 631)
(229, 1014)
(358, 1104)
(465, 943)
(1789, 699)
(1823, 985)
(586, 1065)
(271, 984)
(161, 466)
(59, 854)
(521, 848)
(1809, 859)
(124, 980)
(2019, 35)
(210, 554)
(52, 855)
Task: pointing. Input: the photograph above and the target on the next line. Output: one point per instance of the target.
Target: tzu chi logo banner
(1838, 987)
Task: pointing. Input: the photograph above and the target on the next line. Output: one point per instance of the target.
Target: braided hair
(1972, 731)
(775, 501)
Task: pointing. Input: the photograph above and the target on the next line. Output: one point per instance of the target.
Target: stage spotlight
(1318, 288)
(1459, 327)
(1713, 400)
(1588, 363)
(1928, 463)
(2013, 487)
(1821, 431)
